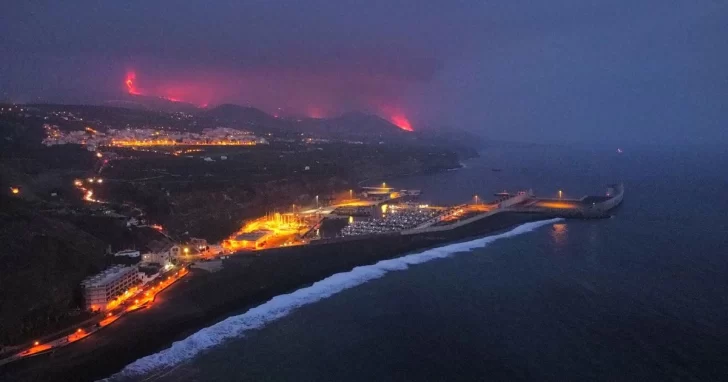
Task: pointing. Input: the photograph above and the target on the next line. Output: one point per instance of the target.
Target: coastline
(244, 282)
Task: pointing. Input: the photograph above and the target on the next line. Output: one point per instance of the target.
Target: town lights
(79, 330)
(36, 343)
(14, 190)
(78, 183)
(99, 155)
(99, 180)
(186, 250)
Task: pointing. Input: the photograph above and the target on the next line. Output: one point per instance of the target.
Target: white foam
(280, 306)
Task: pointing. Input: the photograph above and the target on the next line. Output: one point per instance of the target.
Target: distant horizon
(619, 71)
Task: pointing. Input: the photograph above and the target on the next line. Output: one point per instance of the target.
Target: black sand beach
(203, 298)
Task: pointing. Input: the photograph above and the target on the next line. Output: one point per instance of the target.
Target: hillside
(42, 261)
(354, 125)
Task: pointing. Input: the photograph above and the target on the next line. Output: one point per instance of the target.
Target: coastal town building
(161, 252)
(199, 244)
(130, 253)
(100, 289)
(250, 240)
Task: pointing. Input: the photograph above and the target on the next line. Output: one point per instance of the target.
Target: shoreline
(245, 282)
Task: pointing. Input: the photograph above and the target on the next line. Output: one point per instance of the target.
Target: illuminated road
(142, 299)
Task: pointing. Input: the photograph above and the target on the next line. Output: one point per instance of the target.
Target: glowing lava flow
(402, 122)
(130, 85)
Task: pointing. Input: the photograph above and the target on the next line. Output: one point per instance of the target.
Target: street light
(317, 203)
(476, 199)
(351, 193)
(560, 194)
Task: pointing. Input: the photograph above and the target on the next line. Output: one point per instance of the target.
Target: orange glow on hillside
(314, 112)
(402, 122)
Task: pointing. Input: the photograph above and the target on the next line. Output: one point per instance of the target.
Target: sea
(642, 295)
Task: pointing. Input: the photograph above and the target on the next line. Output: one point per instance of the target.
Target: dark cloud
(560, 70)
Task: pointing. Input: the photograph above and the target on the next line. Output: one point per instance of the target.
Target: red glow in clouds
(402, 122)
(130, 85)
(312, 95)
(132, 88)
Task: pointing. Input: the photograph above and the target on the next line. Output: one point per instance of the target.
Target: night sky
(633, 71)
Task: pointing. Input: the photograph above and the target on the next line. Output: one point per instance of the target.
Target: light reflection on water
(559, 235)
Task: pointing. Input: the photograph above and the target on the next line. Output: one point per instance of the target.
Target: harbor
(279, 252)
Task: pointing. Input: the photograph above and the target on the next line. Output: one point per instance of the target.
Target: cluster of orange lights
(275, 224)
(187, 151)
(170, 142)
(80, 333)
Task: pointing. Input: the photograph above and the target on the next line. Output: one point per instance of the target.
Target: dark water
(642, 295)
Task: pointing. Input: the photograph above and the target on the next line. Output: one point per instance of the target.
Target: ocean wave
(282, 305)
